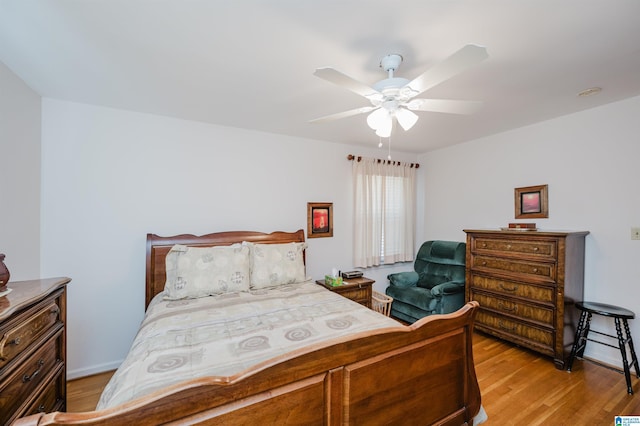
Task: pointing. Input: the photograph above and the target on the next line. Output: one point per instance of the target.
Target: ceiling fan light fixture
(385, 130)
(384, 124)
(377, 118)
(406, 118)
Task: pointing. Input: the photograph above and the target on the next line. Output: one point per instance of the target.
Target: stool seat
(606, 310)
(623, 335)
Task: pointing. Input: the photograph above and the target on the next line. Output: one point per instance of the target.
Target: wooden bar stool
(620, 317)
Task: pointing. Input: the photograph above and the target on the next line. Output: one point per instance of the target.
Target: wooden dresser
(526, 283)
(357, 289)
(33, 348)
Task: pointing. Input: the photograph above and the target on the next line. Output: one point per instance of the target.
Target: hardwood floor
(83, 394)
(518, 387)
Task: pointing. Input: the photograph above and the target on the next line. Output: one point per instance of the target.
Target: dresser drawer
(532, 270)
(359, 295)
(504, 247)
(514, 308)
(25, 380)
(538, 293)
(52, 397)
(540, 339)
(16, 339)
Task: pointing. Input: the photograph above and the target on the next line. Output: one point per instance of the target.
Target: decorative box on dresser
(526, 283)
(33, 348)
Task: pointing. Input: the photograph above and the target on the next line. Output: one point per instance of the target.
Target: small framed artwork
(319, 220)
(532, 202)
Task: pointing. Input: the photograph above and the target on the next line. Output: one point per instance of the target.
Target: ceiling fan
(395, 97)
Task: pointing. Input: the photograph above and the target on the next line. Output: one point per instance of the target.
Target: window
(384, 212)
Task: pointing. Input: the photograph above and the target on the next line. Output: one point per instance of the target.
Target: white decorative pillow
(203, 271)
(276, 264)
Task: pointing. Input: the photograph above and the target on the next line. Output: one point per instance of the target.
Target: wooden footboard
(421, 374)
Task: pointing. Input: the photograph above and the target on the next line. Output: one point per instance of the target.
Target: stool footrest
(603, 343)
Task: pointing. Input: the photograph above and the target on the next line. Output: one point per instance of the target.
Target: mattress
(226, 334)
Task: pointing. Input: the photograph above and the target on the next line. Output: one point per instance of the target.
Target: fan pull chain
(380, 145)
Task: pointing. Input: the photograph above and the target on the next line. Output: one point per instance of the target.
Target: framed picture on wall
(532, 202)
(319, 220)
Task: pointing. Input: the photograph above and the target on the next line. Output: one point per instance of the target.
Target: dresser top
(25, 293)
(543, 232)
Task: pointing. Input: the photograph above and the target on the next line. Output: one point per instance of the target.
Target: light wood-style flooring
(518, 387)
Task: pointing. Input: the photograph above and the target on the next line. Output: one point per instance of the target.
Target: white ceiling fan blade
(454, 64)
(449, 106)
(343, 114)
(406, 118)
(336, 77)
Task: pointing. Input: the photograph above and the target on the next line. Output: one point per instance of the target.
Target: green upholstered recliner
(436, 286)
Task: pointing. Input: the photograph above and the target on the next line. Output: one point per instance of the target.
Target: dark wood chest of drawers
(33, 348)
(526, 283)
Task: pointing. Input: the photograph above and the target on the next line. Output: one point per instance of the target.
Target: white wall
(19, 176)
(590, 162)
(112, 176)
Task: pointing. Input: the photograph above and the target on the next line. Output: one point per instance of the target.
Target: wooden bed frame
(419, 374)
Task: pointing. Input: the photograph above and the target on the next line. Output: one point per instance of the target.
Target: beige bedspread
(224, 335)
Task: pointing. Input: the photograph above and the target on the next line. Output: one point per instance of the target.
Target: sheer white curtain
(384, 212)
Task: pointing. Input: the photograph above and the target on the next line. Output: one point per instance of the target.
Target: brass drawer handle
(535, 249)
(535, 270)
(484, 245)
(504, 307)
(484, 263)
(508, 246)
(33, 375)
(15, 341)
(505, 288)
(504, 327)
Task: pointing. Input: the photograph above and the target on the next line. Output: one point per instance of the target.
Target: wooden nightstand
(357, 289)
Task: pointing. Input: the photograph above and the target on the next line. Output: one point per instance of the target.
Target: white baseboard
(84, 372)
(605, 356)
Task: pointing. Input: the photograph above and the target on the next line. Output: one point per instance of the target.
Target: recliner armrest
(403, 279)
(450, 287)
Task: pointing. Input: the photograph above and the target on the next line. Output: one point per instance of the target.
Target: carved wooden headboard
(158, 247)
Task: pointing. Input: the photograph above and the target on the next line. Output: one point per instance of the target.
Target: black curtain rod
(351, 157)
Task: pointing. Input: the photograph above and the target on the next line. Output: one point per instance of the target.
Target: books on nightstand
(521, 226)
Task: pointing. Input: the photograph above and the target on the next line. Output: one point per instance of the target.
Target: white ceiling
(250, 63)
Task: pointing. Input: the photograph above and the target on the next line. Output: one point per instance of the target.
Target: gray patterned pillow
(203, 271)
(276, 264)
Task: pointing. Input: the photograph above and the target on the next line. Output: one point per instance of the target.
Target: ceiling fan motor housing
(390, 84)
